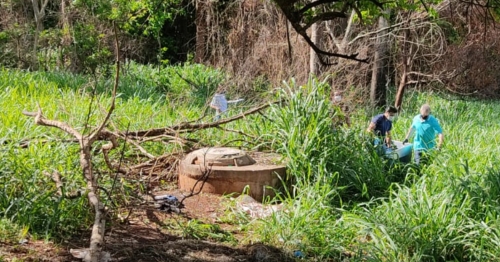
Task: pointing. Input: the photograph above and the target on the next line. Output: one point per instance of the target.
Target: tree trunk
(404, 76)
(39, 12)
(94, 253)
(201, 31)
(340, 32)
(97, 237)
(379, 79)
(401, 89)
(314, 63)
(66, 37)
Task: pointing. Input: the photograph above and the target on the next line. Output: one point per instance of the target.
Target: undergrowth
(341, 200)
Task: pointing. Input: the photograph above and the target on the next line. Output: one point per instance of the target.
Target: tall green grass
(30, 153)
(341, 200)
(330, 168)
(316, 150)
(28, 196)
(447, 210)
(434, 219)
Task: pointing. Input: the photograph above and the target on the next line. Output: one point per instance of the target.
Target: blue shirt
(425, 132)
(382, 125)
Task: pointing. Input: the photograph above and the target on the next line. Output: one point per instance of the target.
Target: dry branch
(95, 251)
(188, 127)
(56, 177)
(172, 133)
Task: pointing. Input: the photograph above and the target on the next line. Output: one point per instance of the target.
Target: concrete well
(228, 170)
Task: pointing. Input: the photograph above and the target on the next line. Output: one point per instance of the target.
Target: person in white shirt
(219, 103)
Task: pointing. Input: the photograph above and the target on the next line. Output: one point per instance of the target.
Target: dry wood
(186, 127)
(95, 252)
(56, 177)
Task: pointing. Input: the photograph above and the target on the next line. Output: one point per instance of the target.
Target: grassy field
(343, 201)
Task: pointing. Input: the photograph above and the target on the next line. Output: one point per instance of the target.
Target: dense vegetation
(342, 200)
(428, 44)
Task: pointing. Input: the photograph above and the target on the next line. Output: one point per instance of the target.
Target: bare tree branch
(41, 120)
(95, 251)
(190, 127)
(295, 17)
(314, 4)
(326, 16)
(94, 135)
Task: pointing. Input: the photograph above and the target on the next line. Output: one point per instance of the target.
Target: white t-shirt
(219, 101)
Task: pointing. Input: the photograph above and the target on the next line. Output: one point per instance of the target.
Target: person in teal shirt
(426, 127)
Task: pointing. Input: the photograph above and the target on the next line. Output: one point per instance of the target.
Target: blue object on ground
(402, 152)
(168, 203)
(298, 253)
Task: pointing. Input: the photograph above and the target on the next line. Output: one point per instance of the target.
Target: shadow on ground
(146, 245)
(150, 245)
(143, 238)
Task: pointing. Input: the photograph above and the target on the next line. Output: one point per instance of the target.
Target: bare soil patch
(145, 236)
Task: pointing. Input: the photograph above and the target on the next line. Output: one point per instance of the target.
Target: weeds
(341, 200)
(12, 233)
(199, 230)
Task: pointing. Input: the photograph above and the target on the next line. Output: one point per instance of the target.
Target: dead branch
(172, 157)
(178, 139)
(202, 179)
(41, 120)
(296, 18)
(188, 127)
(95, 251)
(56, 177)
(171, 133)
(106, 148)
(141, 149)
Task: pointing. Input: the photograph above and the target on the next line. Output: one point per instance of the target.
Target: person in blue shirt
(426, 127)
(381, 125)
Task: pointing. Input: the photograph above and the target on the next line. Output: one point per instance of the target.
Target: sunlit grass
(12, 233)
(29, 196)
(341, 200)
(446, 210)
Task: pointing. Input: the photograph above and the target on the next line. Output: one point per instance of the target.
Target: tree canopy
(303, 14)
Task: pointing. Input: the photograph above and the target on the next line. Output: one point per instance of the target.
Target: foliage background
(252, 40)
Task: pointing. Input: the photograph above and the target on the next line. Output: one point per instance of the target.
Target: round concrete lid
(219, 156)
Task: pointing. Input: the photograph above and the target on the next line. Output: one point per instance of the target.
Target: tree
(95, 252)
(302, 14)
(380, 70)
(39, 12)
(314, 62)
(201, 22)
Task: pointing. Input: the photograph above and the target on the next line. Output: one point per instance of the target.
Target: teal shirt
(425, 132)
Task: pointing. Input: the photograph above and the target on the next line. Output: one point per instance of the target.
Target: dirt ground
(143, 238)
